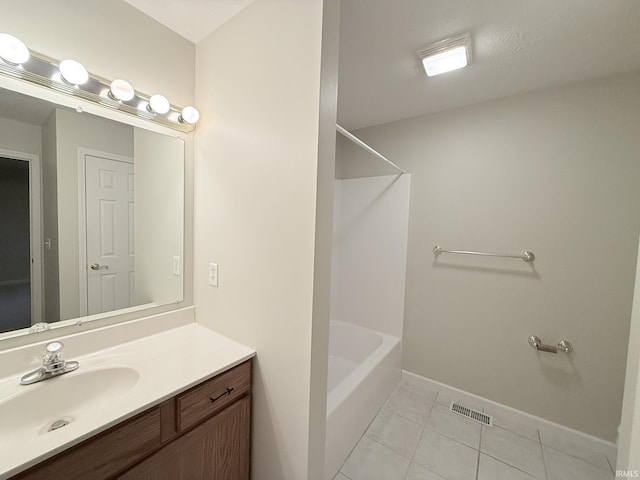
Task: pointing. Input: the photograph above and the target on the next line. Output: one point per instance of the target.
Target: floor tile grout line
(579, 458)
(514, 467)
(451, 438)
(516, 433)
(415, 449)
(394, 412)
(387, 446)
(544, 457)
(423, 428)
(414, 453)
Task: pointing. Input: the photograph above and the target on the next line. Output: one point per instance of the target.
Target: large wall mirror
(91, 216)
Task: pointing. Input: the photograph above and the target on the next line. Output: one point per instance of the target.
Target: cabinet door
(104, 455)
(218, 449)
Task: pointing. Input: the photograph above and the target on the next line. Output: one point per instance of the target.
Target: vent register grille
(471, 414)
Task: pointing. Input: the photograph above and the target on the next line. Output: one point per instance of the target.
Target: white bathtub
(364, 367)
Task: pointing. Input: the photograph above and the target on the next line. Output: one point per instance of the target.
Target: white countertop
(168, 363)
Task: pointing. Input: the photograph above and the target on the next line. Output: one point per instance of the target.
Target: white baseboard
(588, 441)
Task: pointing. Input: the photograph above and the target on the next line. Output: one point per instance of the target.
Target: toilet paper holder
(561, 346)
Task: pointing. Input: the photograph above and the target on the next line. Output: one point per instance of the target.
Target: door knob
(97, 266)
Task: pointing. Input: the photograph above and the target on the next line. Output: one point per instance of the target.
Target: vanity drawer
(213, 395)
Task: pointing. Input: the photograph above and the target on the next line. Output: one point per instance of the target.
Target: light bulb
(73, 72)
(445, 61)
(189, 115)
(121, 90)
(159, 104)
(12, 50)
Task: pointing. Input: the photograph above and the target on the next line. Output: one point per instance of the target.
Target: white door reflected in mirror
(110, 221)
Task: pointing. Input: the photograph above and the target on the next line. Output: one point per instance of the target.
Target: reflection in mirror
(91, 215)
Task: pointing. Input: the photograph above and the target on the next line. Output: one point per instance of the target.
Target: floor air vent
(471, 414)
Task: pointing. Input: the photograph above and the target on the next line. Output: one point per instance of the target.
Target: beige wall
(555, 172)
(259, 173)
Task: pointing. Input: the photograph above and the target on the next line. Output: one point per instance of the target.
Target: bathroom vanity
(172, 405)
(202, 433)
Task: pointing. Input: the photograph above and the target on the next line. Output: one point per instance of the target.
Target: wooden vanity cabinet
(203, 433)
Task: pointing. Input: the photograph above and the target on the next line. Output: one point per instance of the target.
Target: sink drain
(58, 424)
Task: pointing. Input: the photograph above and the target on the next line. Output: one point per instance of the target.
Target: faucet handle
(54, 347)
(53, 353)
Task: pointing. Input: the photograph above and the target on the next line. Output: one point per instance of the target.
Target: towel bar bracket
(561, 346)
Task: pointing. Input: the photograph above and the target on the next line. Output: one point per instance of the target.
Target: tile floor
(415, 437)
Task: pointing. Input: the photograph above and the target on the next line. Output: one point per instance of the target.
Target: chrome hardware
(58, 424)
(562, 345)
(52, 365)
(525, 256)
(97, 266)
(565, 346)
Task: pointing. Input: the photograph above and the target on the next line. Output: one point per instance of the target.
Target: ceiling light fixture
(121, 90)
(12, 50)
(189, 115)
(446, 55)
(73, 72)
(158, 104)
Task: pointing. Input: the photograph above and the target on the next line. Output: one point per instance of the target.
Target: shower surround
(371, 217)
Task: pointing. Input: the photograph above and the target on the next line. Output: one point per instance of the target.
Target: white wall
(159, 216)
(555, 172)
(263, 213)
(370, 234)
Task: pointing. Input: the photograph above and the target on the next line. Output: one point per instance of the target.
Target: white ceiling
(518, 46)
(193, 19)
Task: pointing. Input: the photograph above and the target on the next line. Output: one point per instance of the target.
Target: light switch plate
(213, 274)
(176, 266)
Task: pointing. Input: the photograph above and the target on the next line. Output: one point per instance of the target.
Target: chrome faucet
(52, 365)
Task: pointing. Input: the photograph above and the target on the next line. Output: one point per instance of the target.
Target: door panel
(110, 237)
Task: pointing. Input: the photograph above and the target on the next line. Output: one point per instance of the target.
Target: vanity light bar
(117, 95)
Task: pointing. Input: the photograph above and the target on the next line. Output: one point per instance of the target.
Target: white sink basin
(69, 397)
